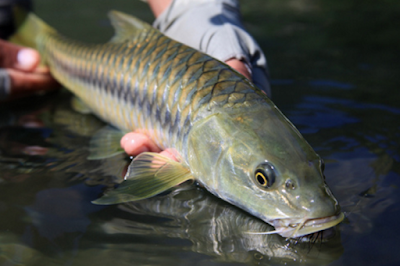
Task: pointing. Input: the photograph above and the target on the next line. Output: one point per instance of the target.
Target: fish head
(258, 161)
(291, 195)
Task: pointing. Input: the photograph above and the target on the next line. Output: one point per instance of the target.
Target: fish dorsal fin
(148, 174)
(105, 143)
(126, 26)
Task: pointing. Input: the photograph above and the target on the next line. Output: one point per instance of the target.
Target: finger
(135, 143)
(168, 153)
(14, 56)
(239, 66)
(27, 82)
(27, 59)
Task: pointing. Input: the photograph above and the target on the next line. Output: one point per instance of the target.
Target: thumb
(14, 56)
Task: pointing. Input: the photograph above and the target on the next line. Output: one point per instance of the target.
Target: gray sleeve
(5, 84)
(214, 27)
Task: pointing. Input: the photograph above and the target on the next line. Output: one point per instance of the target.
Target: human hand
(20, 73)
(135, 143)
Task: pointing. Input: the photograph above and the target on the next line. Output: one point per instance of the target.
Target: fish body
(225, 132)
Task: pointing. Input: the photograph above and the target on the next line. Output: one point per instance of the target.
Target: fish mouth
(299, 227)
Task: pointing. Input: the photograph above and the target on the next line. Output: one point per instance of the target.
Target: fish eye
(264, 175)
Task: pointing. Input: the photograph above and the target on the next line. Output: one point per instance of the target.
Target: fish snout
(312, 201)
(319, 203)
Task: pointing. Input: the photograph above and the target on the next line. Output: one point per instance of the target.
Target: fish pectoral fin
(148, 174)
(79, 106)
(105, 143)
(126, 26)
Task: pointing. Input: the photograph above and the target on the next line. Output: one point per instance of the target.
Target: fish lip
(303, 226)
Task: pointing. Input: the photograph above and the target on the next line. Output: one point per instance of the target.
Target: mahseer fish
(225, 132)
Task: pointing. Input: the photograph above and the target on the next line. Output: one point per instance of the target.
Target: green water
(335, 74)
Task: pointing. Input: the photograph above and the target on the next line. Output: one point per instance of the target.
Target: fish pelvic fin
(105, 143)
(149, 174)
(126, 26)
(30, 29)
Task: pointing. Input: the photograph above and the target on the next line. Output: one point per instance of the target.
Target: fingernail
(27, 58)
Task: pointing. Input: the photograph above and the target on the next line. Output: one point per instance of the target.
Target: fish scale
(155, 78)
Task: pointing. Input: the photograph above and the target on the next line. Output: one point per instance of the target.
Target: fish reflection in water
(215, 228)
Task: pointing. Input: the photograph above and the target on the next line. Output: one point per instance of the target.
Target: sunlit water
(334, 74)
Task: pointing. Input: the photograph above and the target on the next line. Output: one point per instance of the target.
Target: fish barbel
(225, 132)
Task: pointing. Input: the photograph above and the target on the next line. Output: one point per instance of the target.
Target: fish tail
(30, 29)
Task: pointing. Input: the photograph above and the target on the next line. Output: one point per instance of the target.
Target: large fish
(225, 132)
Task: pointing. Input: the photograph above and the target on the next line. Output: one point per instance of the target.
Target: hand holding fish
(134, 143)
(20, 73)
